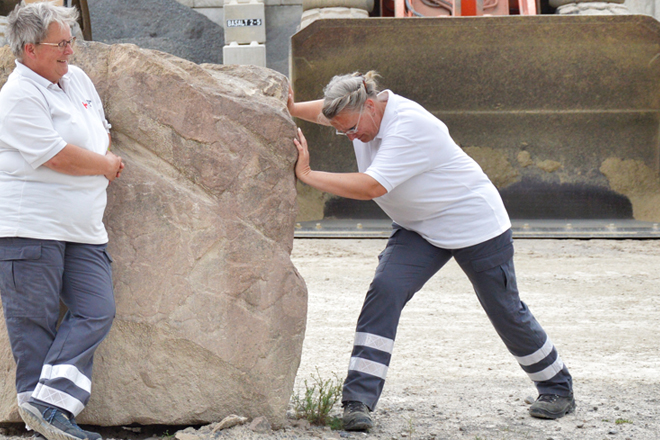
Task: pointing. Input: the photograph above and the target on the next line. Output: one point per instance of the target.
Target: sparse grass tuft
(622, 421)
(411, 427)
(317, 401)
(335, 423)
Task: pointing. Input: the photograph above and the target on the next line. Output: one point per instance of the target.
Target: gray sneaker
(357, 417)
(52, 423)
(90, 435)
(552, 406)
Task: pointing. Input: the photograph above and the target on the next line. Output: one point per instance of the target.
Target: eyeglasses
(353, 130)
(62, 44)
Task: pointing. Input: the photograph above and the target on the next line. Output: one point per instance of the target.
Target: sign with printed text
(245, 22)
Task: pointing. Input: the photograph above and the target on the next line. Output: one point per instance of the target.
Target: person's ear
(29, 50)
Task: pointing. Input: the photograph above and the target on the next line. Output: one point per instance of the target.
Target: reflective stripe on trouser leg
(489, 266)
(87, 292)
(404, 266)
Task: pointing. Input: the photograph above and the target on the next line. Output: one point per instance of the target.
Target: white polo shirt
(37, 120)
(434, 188)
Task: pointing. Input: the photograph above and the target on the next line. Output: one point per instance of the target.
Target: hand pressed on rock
(302, 165)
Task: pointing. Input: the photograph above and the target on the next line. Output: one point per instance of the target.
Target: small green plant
(318, 399)
(622, 421)
(335, 423)
(411, 426)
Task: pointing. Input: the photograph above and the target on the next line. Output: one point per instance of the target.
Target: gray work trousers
(54, 365)
(405, 265)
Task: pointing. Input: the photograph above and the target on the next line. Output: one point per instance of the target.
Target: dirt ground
(452, 378)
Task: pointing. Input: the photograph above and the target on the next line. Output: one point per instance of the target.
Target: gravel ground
(164, 25)
(452, 378)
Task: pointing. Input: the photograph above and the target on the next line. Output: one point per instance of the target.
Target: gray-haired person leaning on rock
(55, 166)
(443, 206)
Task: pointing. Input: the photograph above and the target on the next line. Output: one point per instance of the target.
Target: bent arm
(76, 161)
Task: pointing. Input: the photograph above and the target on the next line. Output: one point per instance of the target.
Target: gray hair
(349, 92)
(29, 23)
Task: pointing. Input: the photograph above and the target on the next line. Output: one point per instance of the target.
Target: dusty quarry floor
(452, 378)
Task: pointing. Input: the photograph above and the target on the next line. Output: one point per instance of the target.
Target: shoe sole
(540, 414)
(358, 425)
(33, 418)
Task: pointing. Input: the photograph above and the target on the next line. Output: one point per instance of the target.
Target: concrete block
(245, 22)
(253, 54)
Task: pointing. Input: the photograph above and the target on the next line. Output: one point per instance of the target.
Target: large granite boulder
(210, 310)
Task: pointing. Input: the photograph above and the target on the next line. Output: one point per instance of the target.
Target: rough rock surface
(164, 25)
(210, 310)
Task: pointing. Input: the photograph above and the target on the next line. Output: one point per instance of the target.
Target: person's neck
(380, 105)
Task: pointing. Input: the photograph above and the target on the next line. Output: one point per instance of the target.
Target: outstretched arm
(359, 186)
(307, 110)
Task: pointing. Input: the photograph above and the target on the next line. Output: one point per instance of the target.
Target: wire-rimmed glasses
(353, 130)
(62, 44)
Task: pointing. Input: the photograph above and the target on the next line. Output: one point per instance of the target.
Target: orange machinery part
(469, 8)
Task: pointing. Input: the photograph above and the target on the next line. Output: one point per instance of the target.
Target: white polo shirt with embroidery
(434, 187)
(37, 120)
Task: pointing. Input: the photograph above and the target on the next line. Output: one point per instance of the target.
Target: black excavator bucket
(561, 112)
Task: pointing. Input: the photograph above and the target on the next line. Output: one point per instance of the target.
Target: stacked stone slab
(571, 7)
(210, 310)
(317, 9)
(590, 7)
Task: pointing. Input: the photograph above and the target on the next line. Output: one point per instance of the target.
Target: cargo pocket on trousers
(497, 260)
(494, 260)
(16, 279)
